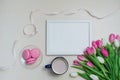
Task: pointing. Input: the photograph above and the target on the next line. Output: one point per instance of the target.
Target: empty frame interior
(67, 37)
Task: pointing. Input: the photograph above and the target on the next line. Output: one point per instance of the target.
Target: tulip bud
(94, 44)
(118, 37)
(94, 77)
(100, 59)
(80, 57)
(85, 52)
(112, 38)
(116, 43)
(93, 50)
(90, 64)
(73, 75)
(89, 51)
(75, 62)
(99, 43)
(104, 52)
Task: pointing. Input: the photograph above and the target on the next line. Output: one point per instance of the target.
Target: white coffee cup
(59, 65)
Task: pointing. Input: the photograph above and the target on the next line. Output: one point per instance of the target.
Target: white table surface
(14, 15)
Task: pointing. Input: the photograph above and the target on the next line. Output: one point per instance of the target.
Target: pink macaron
(26, 54)
(30, 56)
(35, 53)
(31, 61)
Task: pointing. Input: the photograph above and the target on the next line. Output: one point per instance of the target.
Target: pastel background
(14, 15)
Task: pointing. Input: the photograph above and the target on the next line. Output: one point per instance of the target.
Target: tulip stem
(118, 63)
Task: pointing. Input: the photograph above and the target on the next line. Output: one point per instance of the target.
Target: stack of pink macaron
(31, 55)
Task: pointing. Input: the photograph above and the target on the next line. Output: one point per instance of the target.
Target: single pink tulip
(99, 43)
(89, 51)
(81, 58)
(75, 62)
(118, 37)
(93, 50)
(112, 38)
(85, 52)
(94, 44)
(90, 64)
(104, 52)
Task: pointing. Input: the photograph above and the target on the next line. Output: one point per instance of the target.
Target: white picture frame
(67, 37)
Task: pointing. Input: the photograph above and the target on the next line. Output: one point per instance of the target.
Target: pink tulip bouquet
(101, 61)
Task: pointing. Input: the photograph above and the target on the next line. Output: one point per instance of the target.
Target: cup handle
(48, 66)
